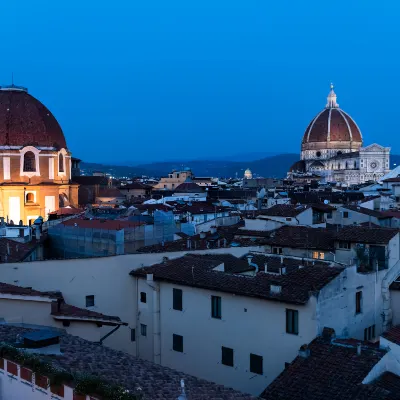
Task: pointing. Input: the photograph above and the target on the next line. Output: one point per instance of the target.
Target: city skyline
(186, 78)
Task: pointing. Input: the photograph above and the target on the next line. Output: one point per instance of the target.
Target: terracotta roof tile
(198, 272)
(331, 371)
(393, 334)
(115, 367)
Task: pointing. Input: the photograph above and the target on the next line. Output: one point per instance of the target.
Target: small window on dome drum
(318, 154)
(60, 163)
(29, 162)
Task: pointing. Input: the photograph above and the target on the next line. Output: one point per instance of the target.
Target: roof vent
(276, 289)
(42, 342)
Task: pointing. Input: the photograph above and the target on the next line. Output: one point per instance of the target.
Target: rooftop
(115, 367)
(296, 285)
(365, 211)
(107, 224)
(362, 234)
(333, 370)
(284, 210)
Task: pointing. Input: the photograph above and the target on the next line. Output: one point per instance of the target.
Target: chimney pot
(359, 349)
(266, 268)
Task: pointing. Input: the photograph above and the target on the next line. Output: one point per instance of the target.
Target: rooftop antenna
(12, 78)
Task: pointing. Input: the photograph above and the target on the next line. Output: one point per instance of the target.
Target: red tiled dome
(25, 121)
(332, 125)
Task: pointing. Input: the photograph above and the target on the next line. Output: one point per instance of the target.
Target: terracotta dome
(332, 125)
(25, 121)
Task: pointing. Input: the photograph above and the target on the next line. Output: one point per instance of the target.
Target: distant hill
(273, 166)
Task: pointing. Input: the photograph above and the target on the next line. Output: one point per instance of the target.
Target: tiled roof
(25, 121)
(365, 211)
(110, 192)
(319, 197)
(283, 210)
(13, 290)
(395, 179)
(72, 312)
(188, 187)
(135, 185)
(152, 380)
(108, 224)
(91, 180)
(332, 371)
(231, 263)
(296, 286)
(301, 237)
(68, 211)
(393, 334)
(362, 234)
(13, 251)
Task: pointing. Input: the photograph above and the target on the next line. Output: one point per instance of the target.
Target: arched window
(30, 198)
(60, 163)
(29, 162)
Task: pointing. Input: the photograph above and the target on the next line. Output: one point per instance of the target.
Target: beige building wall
(38, 312)
(107, 278)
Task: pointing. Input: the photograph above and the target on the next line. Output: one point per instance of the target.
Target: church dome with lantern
(248, 174)
(332, 150)
(332, 131)
(35, 170)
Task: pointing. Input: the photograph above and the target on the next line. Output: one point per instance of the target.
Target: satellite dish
(326, 201)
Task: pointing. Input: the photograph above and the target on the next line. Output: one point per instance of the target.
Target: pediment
(373, 147)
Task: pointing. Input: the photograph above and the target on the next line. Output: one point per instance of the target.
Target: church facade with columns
(35, 163)
(332, 148)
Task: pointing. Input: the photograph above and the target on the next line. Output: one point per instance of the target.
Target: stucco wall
(248, 325)
(107, 278)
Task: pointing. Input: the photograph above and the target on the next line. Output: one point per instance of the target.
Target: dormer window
(29, 162)
(60, 163)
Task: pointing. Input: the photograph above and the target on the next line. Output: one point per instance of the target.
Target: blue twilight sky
(178, 79)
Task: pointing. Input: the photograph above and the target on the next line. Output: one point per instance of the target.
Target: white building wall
(248, 325)
(107, 278)
(395, 303)
(354, 217)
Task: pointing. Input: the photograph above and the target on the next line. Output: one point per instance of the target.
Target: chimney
(266, 268)
(8, 248)
(281, 259)
(249, 258)
(202, 235)
(359, 349)
(304, 351)
(188, 244)
(149, 277)
(213, 229)
(37, 233)
(282, 270)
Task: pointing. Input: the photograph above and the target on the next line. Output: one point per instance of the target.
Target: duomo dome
(332, 131)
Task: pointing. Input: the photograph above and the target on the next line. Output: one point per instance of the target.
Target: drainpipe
(156, 319)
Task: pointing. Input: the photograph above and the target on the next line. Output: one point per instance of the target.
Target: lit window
(29, 162)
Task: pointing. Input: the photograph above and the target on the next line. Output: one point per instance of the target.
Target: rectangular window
(227, 356)
(369, 333)
(133, 335)
(318, 255)
(216, 307)
(177, 299)
(143, 329)
(143, 297)
(90, 301)
(345, 214)
(6, 168)
(177, 343)
(277, 250)
(344, 245)
(256, 364)
(292, 321)
(358, 302)
(288, 219)
(329, 215)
